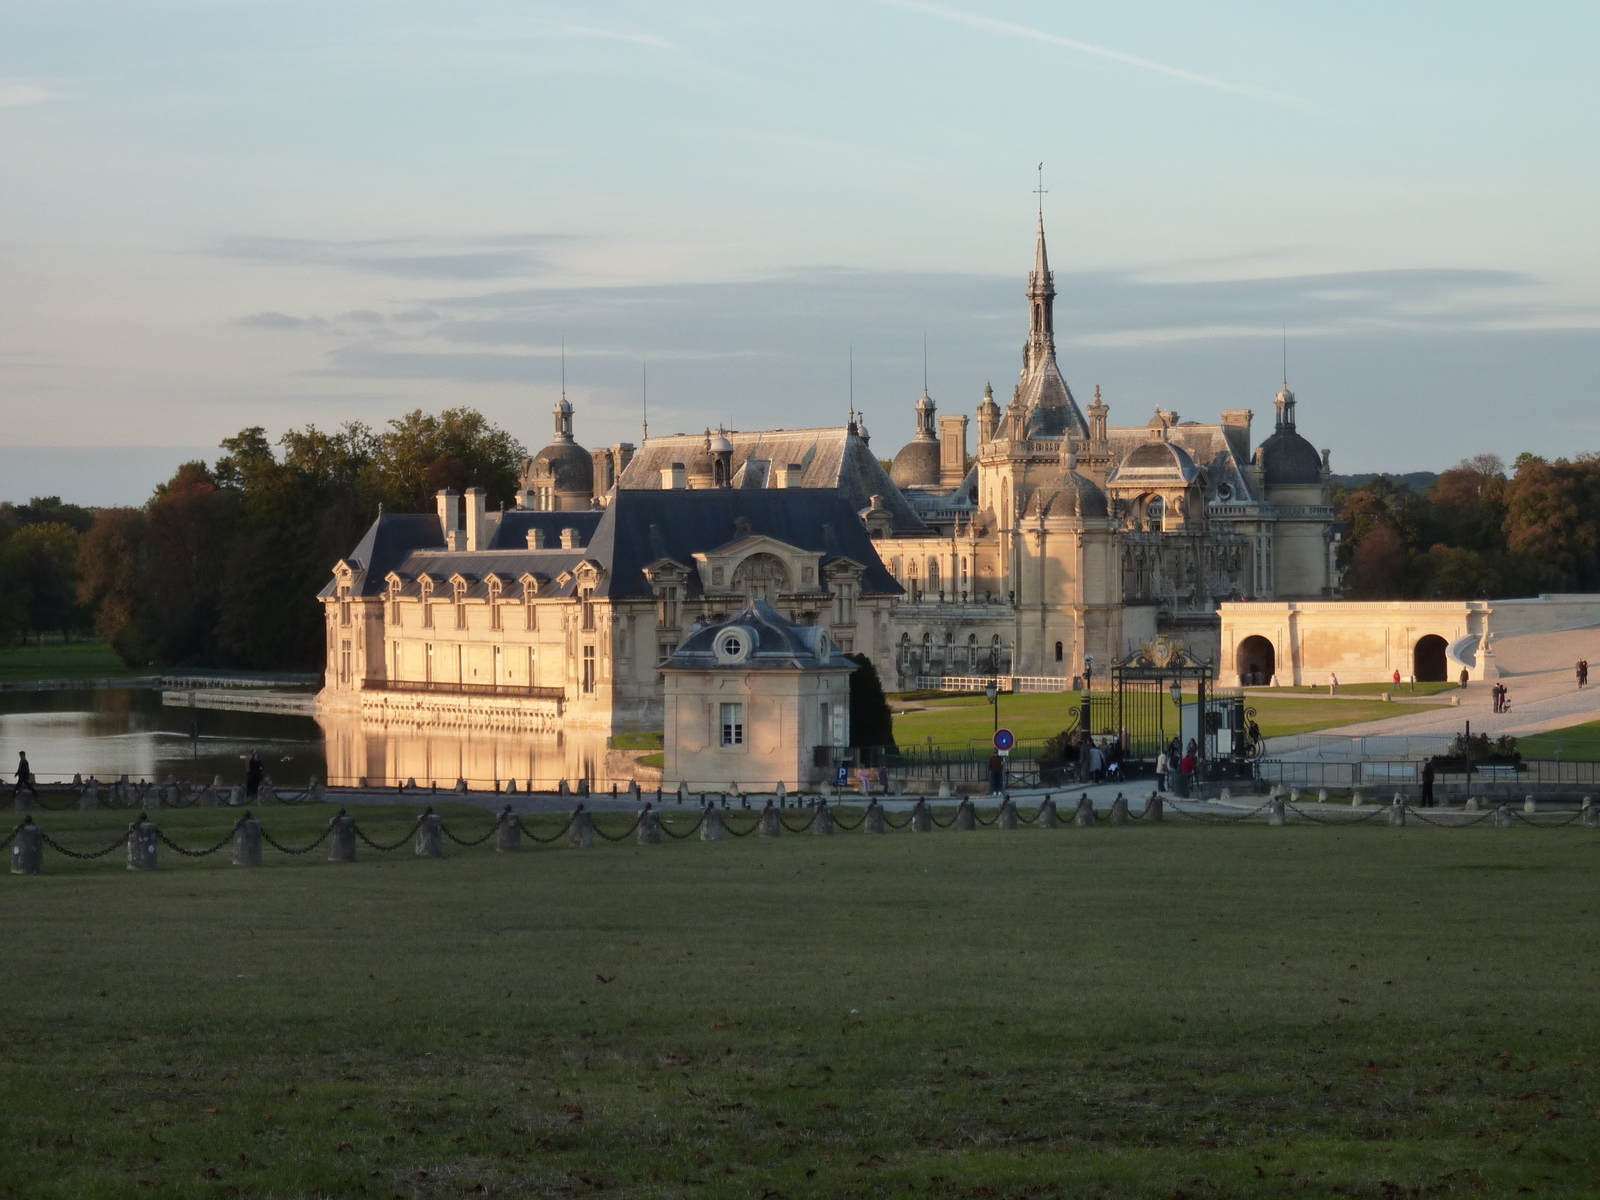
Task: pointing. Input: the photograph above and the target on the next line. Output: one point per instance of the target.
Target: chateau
(1049, 552)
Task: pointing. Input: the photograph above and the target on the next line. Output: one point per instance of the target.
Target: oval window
(732, 646)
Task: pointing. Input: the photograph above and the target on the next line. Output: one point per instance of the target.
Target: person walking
(1161, 770)
(1187, 767)
(253, 772)
(997, 774)
(24, 772)
(1397, 677)
(1333, 684)
(1097, 762)
(1463, 678)
(1427, 783)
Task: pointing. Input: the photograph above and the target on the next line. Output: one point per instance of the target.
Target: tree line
(1478, 532)
(220, 568)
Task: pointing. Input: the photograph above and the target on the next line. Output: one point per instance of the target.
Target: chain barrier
(1221, 818)
(556, 836)
(12, 835)
(1547, 824)
(1413, 814)
(282, 849)
(802, 828)
(59, 848)
(699, 821)
(445, 829)
(1315, 820)
(404, 838)
(625, 834)
(172, 845)
(903, 824)
(981, 821)
(732, 832)
(38, 798)
(839, 824)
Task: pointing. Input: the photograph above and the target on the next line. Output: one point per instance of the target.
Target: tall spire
(1041, 305)
(1051, 412)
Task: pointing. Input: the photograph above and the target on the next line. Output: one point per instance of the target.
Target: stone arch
(761, 577)
(1256, 660)
(1429, 662)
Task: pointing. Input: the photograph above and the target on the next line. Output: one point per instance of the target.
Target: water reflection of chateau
(393, 753)
(1060, 539)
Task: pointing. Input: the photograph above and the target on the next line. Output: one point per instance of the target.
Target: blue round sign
(1003, 739)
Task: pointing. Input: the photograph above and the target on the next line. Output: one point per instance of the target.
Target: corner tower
(1048, 408)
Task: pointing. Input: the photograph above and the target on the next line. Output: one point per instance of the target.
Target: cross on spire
(1041, 191)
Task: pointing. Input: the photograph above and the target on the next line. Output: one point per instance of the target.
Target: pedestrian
(1427, 783)
(1114, 759)
(24, 772)
(254, 770)
(1463, 677)
(1097, 762)
(1333, 684)
(1161, 771)
(1397, 677)
(997, 774)
(1188, 766)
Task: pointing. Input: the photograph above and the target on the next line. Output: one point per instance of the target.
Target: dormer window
(1155, 513)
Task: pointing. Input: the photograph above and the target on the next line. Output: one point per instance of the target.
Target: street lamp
(1177, 693)
(992, 690)
(1088, 672)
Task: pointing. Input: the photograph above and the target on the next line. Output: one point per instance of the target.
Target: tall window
(1155, 511)
(588, 608)
(827, 723)
(667, 610)
(972, 651)
(533, 667)
(344, 662)
(461, 663)
(588, 669)
(396, 673)
(494, 614)
(733, 724)
(905, 650)
(1058, 651)
(844, 604)
(427, 613)
(461, 610)
(530, 615)
(496, 680)
(427, 665)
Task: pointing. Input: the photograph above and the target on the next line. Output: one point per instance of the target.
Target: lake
(110, 732)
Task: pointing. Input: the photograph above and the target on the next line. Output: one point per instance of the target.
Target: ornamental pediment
(771, 566)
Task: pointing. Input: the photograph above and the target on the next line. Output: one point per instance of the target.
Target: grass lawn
(970, 719)
(79, 660)
(1577, 742)
(1150, 1011)
(1363, 689)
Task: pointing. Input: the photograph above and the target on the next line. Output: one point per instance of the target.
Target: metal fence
(1490, 779)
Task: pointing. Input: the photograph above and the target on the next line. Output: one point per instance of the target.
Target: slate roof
(1208, 446)
(779, 645)
(831, 458)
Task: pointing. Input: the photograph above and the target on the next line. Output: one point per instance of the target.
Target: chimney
(569, 539)
(1236, 428)
(674, 478)
(787, 476)
(455, 540)
(445, 501)
(525, 498)
(535, 539)
(477, 524)
(952, 450)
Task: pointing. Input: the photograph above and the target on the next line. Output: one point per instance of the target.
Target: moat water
(111, 732)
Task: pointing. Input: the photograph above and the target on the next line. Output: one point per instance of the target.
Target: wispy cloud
(991, 25)
(25, 95)
(411, 258)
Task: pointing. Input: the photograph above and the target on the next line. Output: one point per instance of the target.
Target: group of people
(1176, 767)
(1582, 671)
(1502, 697)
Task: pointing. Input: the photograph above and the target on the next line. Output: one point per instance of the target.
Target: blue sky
(230, 213)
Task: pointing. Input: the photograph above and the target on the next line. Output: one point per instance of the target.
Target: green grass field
(1145, 1011)
(78, 660)
(1579, 743)
(970, 718)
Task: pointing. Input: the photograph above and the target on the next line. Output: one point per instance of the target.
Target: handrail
(449, 687)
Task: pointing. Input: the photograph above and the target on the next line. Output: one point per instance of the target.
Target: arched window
(1155, 511)
(905, 649)
(1058, 651)
(994, 653)
(927, 648)
(972, 651)
(933, 573)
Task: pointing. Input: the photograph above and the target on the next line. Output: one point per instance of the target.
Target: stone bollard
(1502, 817)
(89, 797)
(966, 815)
(1294, 795)
(342, 839)
(27, 849)
(511, 787)
(1275, 813)
(1048, 818)
(561, 788)
(1322, 795)
(711, 824)
(1119, 810)
(582, 835)
(823, 825)
(1356, 798)
(150, 796)
(649, 827)
(872, 819)
(461, 786)
(247, 842)
(411, 783)
(770, 823)
(265, 793)
(143, 838)
(944, 790)
(1397, 812)
(633, 790)
(316, 793)
(922, 816)
(1227, 795)
(1590, 813)
(781, 792)
(23, 802)
(683, 795)
(1084, 816)
(1471, 804)
(1008, 814)
(507, 832)
(235, 796)
(1530, 805)
(1154, 808)
(430, 834)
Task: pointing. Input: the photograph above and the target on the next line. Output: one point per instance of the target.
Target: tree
(190, 527)
(1552, 521)
(39, 570)
(459, 448)
(871, 723)
(111, 581)
(1378, 567)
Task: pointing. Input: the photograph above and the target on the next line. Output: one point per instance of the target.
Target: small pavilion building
(750, 700)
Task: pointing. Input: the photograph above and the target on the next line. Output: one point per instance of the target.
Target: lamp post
(992, 690)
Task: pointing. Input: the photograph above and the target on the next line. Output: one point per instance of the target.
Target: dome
(917, 464)
(1287, 460)
(757, 638)
(1157, 461)
(567, 464)
(1069, 495)
(721, 445)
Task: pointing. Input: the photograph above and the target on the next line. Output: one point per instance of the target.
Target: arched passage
(1257, 661)
(1428, 660)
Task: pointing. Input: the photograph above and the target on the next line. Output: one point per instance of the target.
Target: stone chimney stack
(952, 450)
(449, 515)
(569, 539)
(535, 539)
(787, 476)
(477, 519)
(674, 477)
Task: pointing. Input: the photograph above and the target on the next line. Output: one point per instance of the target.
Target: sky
(224, 214)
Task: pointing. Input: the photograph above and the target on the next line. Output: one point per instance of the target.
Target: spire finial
(644, 398)
(563, 368)
(852, 385)
(1285, 356)
(1041, 193)
(924, 362)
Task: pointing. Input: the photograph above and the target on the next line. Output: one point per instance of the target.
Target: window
(733, 724)
(927, 648)
(663, 652)
(533, 667)
(497, 672)
(530, 615)
(461, 663)
(428, 664)
(344, 662)
(1058, 651)
(427, 613)
(733, 646)
(588, 670)
(972, 651)
(396, 673)
(994, 653)
(588, 609)
(827, 723)
(905, 650)
(394, 613)
(667, 608)
(933, 575)
(1155, 511)
(494, 612)
(844, 603)
(461, 611)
